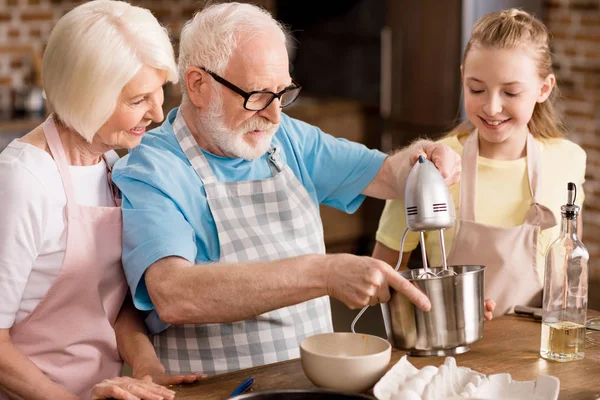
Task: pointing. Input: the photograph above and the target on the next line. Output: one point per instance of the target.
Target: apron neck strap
(468, 180)
(60, 158)
(196, 157)
(192, 150)
(58, 153)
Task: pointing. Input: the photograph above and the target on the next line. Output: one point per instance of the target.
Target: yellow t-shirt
(503, 197)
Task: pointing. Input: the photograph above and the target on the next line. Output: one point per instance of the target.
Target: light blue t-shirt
(165, 211)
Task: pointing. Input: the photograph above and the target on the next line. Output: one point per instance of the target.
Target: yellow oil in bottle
(562, 341)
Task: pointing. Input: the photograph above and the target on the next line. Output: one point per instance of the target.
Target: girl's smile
(502, 87)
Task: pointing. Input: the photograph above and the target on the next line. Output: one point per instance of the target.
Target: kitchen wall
(575, 27)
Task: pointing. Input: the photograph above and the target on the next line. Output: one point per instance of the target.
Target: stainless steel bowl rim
(433, 278)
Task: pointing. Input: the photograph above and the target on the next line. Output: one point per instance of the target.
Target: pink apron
(509, 253)
(70, 334)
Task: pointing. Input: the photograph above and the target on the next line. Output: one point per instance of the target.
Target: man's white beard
(232, 141)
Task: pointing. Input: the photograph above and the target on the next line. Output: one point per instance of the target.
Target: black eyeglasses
(259, 100)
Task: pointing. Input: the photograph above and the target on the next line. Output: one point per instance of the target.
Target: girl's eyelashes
(509, 94)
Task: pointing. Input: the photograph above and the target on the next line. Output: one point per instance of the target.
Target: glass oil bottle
(565, 289)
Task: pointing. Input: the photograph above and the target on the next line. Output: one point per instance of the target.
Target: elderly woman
(64, 327)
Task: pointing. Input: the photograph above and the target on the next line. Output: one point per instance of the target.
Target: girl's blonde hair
(510, 29)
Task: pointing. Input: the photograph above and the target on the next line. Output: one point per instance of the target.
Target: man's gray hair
(209, 39)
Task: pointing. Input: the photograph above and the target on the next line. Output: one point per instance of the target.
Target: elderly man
(223, 242)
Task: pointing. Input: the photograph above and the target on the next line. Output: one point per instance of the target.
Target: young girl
(515, 164)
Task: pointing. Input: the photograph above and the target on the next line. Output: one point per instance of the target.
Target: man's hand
(126, 388)
(360, 281)
(390, 181)
(158, 375)
(446, 160)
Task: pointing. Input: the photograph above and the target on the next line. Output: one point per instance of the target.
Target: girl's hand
(126, 388)
(488, 307)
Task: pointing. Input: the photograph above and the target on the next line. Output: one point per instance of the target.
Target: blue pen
(243, 387)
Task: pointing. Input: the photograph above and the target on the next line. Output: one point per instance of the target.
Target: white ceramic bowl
(349, 362)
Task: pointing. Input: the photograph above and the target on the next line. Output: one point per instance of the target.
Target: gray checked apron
(260, 220)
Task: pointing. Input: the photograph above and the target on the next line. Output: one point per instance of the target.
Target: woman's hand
(158, 375)
(126, 388)
(488, 307)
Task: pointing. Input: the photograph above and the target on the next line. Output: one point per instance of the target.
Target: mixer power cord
(385, 317)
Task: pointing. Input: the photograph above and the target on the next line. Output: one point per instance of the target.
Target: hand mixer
(428, 207)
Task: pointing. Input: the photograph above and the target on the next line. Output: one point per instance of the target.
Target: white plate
(449, 381)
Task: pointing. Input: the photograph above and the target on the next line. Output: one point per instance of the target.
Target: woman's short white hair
(209, 39)
(93, 52)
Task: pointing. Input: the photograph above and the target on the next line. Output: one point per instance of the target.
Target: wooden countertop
(510, 344)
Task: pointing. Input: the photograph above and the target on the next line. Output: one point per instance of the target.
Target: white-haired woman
(64, 326)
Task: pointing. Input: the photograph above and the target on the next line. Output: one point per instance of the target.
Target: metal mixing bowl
(455, 319)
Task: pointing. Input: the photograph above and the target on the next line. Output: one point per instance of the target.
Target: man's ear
(546, 88)
(196, 86)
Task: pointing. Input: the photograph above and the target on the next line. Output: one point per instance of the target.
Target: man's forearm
(21, 378)
(184, 293)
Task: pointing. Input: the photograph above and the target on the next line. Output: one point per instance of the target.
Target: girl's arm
(136, 349)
